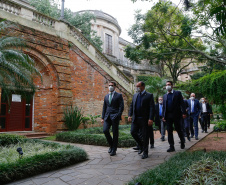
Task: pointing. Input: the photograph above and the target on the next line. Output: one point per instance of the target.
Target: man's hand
(163, 120)
(129, 119)
(102, 121)
(150, 122)
(184, 116)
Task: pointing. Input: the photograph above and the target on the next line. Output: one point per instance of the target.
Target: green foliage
(7, 139)
(34, 164)
(211, 86)
(90, 119)
(209, 171)
(220, 126)
(173, 170)
(155, 85)
(94, 136)
(17, 69)
(164, 38)
(82, 21)
(73, 117)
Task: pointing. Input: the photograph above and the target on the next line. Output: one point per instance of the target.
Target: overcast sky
(122, 10)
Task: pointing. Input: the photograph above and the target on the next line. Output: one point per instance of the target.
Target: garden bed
(95, 136)
(187, 168)
(38, 157)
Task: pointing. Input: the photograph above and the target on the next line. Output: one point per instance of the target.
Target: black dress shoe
(136, 148)
(182, 145)
(196, 138)
(192, 136)
(110, 150)
(113, 153)
(189, 139)
(152, 146)
(171, 150)
(163, 138)
(206, 132)
(144, 156)
(202, 131)
(140, 151)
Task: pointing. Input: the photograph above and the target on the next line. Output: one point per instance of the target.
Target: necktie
(110, 98)
(192, 108)
(160, 110)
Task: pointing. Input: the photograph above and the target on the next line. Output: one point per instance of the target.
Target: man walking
(194, 111)
(111, 115)
(158, 118)
(173, 111)
(205, 111)
(141, 114)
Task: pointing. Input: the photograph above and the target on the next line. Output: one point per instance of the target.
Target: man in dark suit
(141, 114)
(204, 113)
(111, 115)
(194, 111)
(186, 121)
(173, 111)
(158, 118)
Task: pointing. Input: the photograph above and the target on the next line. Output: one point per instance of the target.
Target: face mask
(192, 98)
(202, 101)
(160, 101)
(111, 88)
(138, 89)
(168, 87)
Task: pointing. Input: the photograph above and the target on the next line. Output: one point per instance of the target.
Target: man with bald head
(141, 114)
(193, 112)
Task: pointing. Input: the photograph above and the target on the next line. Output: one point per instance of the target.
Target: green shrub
(61, 156)
(73, 117)
(7, 139)
(95, 136)
(220, 126)
(171, 171)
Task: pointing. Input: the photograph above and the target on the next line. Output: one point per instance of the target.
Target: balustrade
(10, 7)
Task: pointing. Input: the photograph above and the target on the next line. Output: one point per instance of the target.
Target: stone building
(74, 72)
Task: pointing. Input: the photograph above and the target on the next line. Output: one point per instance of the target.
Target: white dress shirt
(204, 108)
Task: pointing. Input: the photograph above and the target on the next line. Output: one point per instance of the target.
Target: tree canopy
(158, 35)
(81, 21)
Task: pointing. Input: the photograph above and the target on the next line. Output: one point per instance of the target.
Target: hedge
(29, 166)
(94, 136)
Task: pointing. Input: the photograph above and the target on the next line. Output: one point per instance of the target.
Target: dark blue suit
(140, 122)
(173, 114)
(112, 114)
(194, 116)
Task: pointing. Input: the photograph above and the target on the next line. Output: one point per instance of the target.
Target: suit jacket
(196, 107)
(178, 105)
(157, 118)
(147, 106)
(208, 108)
(186, 106)
(115, 109)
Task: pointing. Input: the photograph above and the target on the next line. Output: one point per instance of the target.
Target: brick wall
(69, 77)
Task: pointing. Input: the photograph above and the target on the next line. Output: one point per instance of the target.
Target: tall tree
(208, 17)
(158, 41)
(81, 21)
(16, 68)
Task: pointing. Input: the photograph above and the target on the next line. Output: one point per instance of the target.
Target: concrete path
(103, 169)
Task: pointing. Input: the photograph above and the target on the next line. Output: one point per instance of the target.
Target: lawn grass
(50, 138)
(95, 136)
(174, 170)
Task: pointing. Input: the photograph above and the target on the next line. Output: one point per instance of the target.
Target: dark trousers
(113, 142)
(140, 124)
(151, 135)
(204, 121)
(177, 124)
(208, 121)
(191, 126)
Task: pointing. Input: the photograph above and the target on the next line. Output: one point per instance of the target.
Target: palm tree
(16, 68)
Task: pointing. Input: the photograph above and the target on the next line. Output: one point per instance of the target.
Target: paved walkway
(103, 169)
